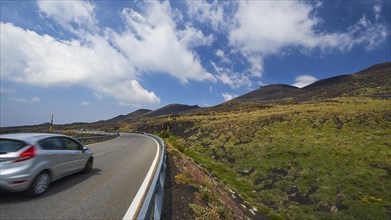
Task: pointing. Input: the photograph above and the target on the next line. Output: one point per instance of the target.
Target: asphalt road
(120, 167)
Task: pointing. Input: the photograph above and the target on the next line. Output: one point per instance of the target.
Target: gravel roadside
(177, 197)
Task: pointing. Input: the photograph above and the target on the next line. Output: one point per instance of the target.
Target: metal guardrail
(153, 201)
(97, 138)
(102, 135)
(95, 132)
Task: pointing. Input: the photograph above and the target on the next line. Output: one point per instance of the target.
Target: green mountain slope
(325, 154)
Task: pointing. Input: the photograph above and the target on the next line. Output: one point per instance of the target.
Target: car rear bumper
(15, 183)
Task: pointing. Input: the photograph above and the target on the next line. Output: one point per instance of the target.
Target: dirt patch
(273, 176)
(300, 198)
(215, 155)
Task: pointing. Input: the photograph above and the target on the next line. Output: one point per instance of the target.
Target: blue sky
(86, 61)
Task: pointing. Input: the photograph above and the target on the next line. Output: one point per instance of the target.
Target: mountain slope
(131, 116)
(374, 81)
(172, 109)
(371, 82)
(319, 152)
(322, 159)
(270, 92)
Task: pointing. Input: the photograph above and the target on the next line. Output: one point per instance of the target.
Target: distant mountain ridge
(172, 109)
(374, 81)
(131, 116)
(269, 92)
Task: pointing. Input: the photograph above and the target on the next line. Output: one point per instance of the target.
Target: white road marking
(105, 152)
(95, 155)
(143, 188)
(104, 141)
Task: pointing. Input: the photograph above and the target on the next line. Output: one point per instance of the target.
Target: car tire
(39, 185)
(88, 166)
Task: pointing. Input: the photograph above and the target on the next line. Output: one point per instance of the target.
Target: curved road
(120, 167)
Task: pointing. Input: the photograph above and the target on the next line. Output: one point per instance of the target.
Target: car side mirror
(84, 149)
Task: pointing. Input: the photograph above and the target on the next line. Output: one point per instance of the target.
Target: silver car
(30, 162)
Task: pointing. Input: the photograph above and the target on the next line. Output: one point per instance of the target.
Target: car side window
(51, 144)
(70, 144)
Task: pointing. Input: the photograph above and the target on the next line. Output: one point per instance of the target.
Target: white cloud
(234, 80)
(5, 91)
(108, 62)
(211, 89)
(44, 61)
(223, 57)
(203, 11)
(130, 92)
(72, 15)
(267, 26)
(85, 103)
(304, 80)
(256, 62)
(231, 78)
(228, 96)
(23, 100)
(193, 37)
(153, 44)
(98, 95)
(377, 9)
(264, 28)
(365, 33)
(35, 99)
(155, 39)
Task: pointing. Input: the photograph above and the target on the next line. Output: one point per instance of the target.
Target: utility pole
(51, 124)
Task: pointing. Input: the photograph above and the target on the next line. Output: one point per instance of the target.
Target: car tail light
(26, 155)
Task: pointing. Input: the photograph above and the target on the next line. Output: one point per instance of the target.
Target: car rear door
(75, 160)
(54, 154)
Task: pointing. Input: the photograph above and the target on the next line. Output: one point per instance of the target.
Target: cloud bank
(157, 39)
(106, 61)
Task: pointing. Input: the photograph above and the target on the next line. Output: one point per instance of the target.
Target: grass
(327, 159)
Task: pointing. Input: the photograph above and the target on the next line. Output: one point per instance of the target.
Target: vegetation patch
(319, 159)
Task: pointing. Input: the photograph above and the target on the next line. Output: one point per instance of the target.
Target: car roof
(29, 137)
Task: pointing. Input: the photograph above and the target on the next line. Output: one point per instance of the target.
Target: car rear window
(9, 145)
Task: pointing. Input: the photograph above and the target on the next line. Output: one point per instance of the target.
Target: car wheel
(88, 167)
(40, 184)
